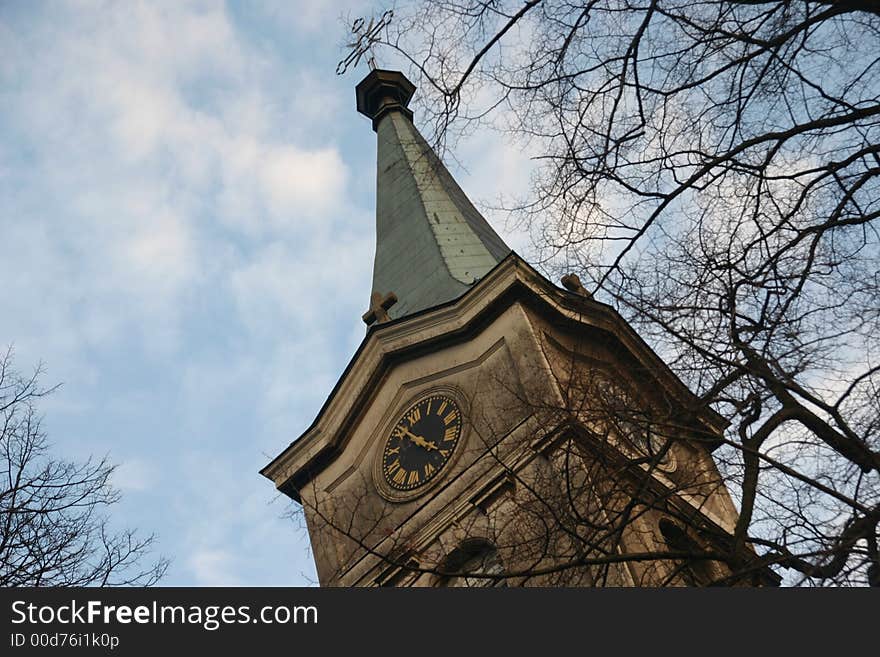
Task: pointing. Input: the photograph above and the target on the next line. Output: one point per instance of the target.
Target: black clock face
(421, 442)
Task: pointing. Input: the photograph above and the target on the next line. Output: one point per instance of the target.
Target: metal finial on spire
(367, 35)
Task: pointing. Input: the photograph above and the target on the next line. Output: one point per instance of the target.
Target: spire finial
(367, 34)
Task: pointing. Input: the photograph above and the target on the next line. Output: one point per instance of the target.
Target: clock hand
(429, 445)
(418, 440)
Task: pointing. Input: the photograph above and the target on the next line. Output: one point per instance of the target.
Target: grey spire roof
(431, 243)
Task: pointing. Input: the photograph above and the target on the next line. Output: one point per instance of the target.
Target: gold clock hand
(418, 440)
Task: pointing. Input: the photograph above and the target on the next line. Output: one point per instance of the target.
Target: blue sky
(186, 242)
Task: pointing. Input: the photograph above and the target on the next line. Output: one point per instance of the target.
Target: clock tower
(493, 428)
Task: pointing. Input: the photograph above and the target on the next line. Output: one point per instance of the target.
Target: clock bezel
(393, 494)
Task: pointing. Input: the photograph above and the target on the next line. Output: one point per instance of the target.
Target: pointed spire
(431, 243)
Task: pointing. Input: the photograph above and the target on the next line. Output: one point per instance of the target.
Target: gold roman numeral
(389, 470)
(444, 452)
(400, 477)
(450, 434)
(413, 478)
(442, 407)
(449, 419)
(414, 416)
(392, 450)
(429, 470)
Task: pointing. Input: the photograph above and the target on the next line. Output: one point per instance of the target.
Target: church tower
(494, 429)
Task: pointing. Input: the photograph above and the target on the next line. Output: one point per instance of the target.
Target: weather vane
(366, 35)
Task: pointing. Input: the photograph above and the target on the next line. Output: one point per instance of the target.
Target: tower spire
(431, 242)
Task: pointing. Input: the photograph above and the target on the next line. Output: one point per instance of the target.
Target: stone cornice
(390, 343)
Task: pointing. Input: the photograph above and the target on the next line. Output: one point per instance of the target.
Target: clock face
(421, 442)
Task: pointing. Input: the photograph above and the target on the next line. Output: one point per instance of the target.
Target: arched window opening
(632, 420)
(474, 563)
(694, 571)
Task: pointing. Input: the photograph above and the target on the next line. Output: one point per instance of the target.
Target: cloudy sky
(186, 243)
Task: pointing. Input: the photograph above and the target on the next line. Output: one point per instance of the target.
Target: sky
(187, 217)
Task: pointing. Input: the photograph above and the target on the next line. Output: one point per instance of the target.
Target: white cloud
(293, 180)
(160, 248)
(498, 176)
(312, 296)
(214, 568)
(139, 166)
(135, 475)
(171, 236)
(316, 15)
(292, 283)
